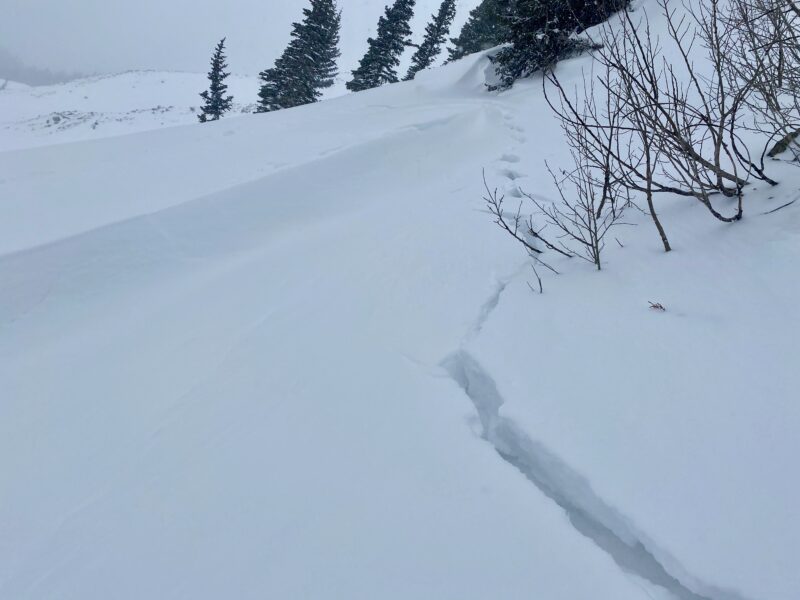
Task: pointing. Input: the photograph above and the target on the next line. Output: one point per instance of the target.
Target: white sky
(115, 35)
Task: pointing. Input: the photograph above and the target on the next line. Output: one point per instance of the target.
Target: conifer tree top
(308, 64)
(215, 101)
(435, 35)
(379, 64)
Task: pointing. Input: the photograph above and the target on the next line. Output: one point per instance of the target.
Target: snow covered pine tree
(379, 64)
(542, 33)
(435, 35)
(216, 102)
(308, 64)
(488, 26)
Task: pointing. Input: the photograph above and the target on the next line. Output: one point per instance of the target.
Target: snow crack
(587, 513)
(486, 309)
(491, 303)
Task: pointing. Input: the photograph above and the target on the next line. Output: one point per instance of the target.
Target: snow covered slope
(239, 395)
(289, 356)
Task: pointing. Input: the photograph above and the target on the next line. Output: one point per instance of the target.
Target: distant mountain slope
(108, 105)
(134, 101)
(11, 67)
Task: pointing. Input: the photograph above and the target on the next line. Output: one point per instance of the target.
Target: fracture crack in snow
(587, 513)
(487, 308)
(494, 299)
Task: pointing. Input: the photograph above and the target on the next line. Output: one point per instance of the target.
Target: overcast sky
(109, 36)
(115, 35)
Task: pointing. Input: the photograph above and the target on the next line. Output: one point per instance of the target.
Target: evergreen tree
(435, 35)
(216, 102)
(589, 13)
(488, 26)
(379, 64)
(324, 36)
(542, 33)
(308, 64)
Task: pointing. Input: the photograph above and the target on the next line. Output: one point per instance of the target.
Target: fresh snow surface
(289, 356)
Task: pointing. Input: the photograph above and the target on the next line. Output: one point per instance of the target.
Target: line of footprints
(507, 162)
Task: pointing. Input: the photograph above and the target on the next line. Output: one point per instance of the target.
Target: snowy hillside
(288, 355)
(134, 101)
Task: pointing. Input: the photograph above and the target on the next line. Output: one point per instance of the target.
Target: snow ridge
(587, 513)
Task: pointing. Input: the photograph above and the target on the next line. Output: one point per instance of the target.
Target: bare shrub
(591, 199)
(766, 54)
(673, 126)
(652, 119)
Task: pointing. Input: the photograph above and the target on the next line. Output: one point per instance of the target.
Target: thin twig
(769, 212)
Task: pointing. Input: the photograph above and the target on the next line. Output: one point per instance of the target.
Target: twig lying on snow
(769, 212)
